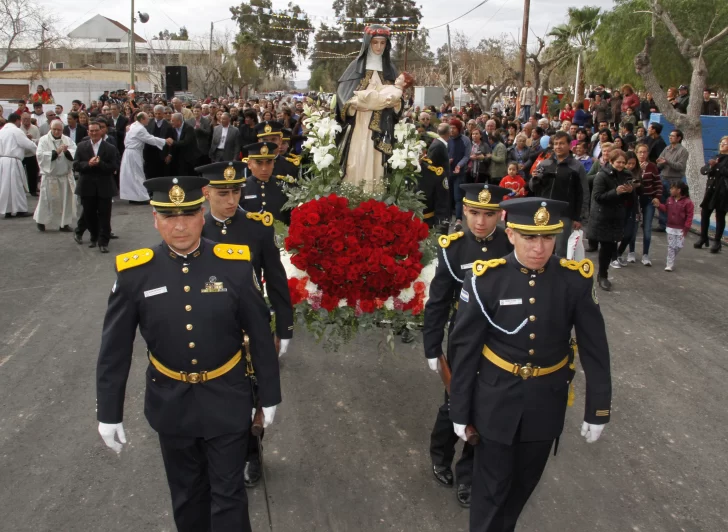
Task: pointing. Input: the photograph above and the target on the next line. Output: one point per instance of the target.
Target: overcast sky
(492, 19)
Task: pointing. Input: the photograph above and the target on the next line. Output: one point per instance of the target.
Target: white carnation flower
(389, 304)
(407, 294)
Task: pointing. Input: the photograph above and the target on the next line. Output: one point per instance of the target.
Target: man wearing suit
(119, 123)
(95, 162)
(438, 154)
(74, 131)
(156, 161)
(184, 148)
(203, 134)
(225, 141)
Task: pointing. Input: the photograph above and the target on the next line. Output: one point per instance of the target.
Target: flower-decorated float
(357, 252)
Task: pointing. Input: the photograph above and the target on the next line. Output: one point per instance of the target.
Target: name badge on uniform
(252, 196)
(213, 286)
(155, 292)
(464, 295)
(506, 302)
(466, 266)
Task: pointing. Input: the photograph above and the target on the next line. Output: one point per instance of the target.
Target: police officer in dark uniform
(432, 183)
(229, 223)
(273, 132)
(482, 240)
(263, 191)
(193, 301)
(513, 360)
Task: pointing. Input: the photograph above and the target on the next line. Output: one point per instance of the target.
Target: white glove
(269, 412)
(108, 431)
(459, 430)
(433, 363)
(284, 347)
(591, 432)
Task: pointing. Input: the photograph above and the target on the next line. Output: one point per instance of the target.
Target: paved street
(349, 447)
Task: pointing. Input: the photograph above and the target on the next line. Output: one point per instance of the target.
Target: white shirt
(96, 145)
(72, 133)
(223, 138)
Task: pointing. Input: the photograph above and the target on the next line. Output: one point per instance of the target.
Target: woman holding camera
(612, 189)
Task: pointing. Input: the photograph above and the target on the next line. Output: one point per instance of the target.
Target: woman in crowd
(641, 135)
(672, 96)
(615, 106)
(630, 100)
(83, 119)
(498, 167)
(519, 153)
(619, 143)
(630, 214)
(478, 166)
(600, 109)
(267, 116)
(567, 113)
(716, 197)
(606, 218)
(581, 136)
(650, 188)
(604, 136)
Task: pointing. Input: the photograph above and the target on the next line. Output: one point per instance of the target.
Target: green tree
(574, 41)
(276, 59)
(696, 37)
(171, 36)
(623, 30)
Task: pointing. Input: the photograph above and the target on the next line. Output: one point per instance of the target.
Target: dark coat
(81, 133)
(154, 165)
(150, 296)
(96, 180)
(606, 217)
(716, 189)
(184, 151)
(203, 134)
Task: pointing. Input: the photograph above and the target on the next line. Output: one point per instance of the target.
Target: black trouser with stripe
(206, 482)
(443, 437)
(504, 476)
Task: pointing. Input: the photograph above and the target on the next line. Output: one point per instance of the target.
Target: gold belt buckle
(525, 372)
(193, 378)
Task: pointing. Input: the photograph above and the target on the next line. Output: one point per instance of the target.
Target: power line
(458, 18)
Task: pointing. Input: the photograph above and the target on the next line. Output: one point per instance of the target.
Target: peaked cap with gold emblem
(268, 128)
(176, 195)
(262, 150)
(487, 197)
(535, 216)
(229, 174)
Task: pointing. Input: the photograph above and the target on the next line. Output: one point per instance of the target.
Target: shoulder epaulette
(286, 178)
(445, 240)
(232, 252)
(133, 258)
(294, 161)
(479, 266)
(245, 160)
(585, 266)
(264, 217)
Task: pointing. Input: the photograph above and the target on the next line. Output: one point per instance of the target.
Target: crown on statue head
(377, 30)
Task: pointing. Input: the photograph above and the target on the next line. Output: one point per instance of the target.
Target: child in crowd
(679, 209)
(514, 181)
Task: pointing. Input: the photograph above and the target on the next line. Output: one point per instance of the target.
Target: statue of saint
(368, 104)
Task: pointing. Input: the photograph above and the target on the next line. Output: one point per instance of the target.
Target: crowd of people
(610, 163)
(142, 139)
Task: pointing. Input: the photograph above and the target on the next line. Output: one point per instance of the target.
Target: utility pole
(406, 43)
(449, 53)
(41, 63)
(212, 25)
(524, 38)
(132, 47)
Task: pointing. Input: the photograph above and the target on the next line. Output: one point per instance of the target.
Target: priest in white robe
(56, 205)
(13, 144)
(131, 176)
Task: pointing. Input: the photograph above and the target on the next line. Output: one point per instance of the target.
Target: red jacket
(632, 101)
(679, 213)
(514, 183)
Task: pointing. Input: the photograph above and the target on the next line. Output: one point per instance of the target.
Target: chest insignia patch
(155, 292)
(251, 196)
(212, 286)
(507, 302)
(466, 266)
(464, 295)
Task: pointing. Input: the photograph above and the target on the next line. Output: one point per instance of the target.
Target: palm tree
(574, 39)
